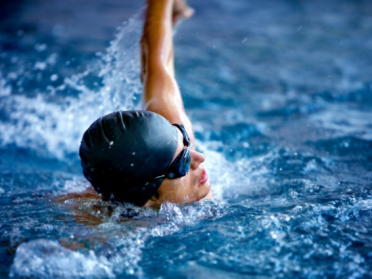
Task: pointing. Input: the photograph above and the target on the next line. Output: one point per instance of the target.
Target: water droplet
(53, 77)
(134, 153)
(131, 165)
(40, 66)
(92, 169)
(111, 142)
(40, 47)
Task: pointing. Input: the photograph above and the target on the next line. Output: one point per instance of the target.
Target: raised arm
(161, 92)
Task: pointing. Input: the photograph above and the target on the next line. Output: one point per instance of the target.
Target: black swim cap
(123, 152)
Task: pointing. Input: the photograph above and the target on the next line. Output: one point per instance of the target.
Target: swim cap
(123, 152)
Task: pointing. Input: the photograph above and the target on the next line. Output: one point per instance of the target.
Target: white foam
(78, 186)
(46, 259)
(5, 90)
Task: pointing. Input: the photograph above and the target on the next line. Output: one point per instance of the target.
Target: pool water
(280, 96)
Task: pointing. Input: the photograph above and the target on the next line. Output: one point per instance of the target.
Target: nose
(196, 159)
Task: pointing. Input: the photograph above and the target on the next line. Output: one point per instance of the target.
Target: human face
(192, 187)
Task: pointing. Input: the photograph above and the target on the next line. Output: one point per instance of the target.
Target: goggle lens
(181, 165)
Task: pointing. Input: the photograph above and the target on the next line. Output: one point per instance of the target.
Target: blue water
(280, 96)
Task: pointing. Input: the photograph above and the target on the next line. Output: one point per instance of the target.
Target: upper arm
(162, 96)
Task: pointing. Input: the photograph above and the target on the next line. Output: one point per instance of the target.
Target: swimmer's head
(124, 153)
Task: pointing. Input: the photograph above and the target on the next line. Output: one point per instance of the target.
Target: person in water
(148, 157)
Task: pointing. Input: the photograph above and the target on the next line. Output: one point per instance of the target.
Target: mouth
(203, 178)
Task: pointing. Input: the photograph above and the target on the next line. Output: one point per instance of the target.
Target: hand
(181, 11)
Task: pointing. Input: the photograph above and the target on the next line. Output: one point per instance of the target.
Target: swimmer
(148, 157)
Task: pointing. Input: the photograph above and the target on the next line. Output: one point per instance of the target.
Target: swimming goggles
(181, 165)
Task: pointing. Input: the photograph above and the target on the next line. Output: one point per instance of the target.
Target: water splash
(46, 259)
(54, 128)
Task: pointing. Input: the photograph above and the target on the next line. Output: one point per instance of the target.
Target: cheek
(187, 184)
(192, 182)
(187, 189)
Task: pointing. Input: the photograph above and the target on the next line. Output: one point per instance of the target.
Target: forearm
(161, 93)
(158, 23)
(157, 40)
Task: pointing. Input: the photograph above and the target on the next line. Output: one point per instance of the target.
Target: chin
(204, 189)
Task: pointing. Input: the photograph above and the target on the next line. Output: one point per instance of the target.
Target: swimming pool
(280, 96)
